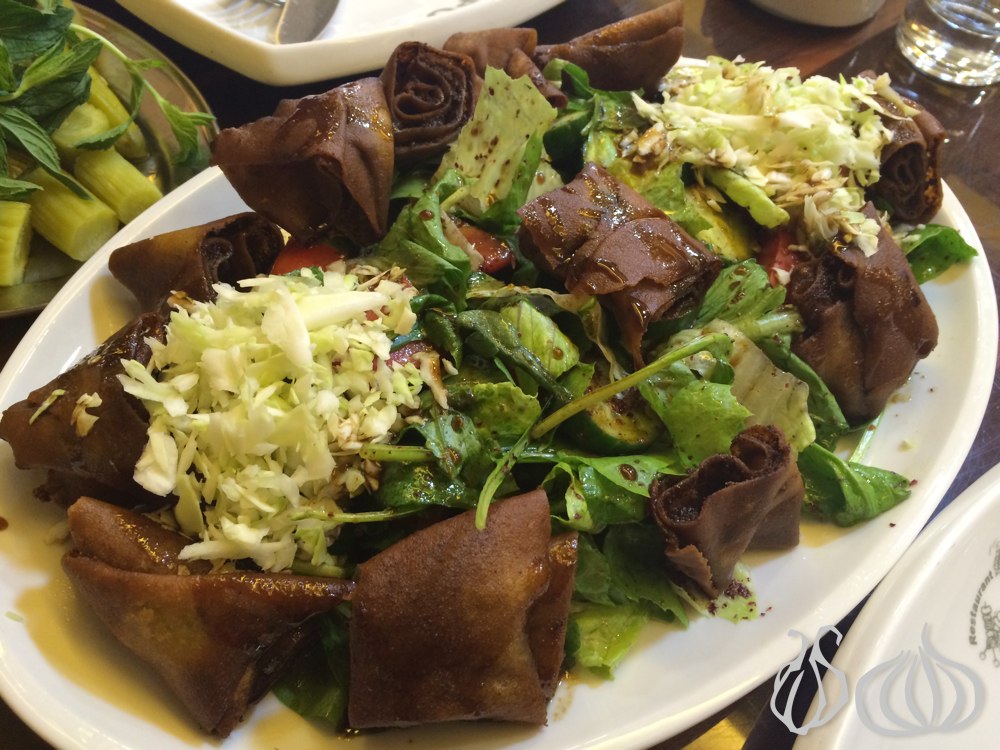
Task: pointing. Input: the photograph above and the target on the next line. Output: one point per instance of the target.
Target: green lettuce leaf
(498, 151)
(540, 334)
(635, 558)
(500, 409)
(592, 581)
(491, 336)
(603, 635)
(416, 241)
(846, 492)
(315, 683)
(932, 249)
(827, 417)
(703, 419)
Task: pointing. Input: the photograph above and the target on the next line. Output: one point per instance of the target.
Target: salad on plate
(519, 348)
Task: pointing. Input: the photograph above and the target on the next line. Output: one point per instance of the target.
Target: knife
(303, 20)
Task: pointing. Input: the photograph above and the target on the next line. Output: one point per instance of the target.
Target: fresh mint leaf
(52, 102)
(15, 190)
(58, 63)
(8, 80)
(27, 32)
(24, 130)
(183, 124)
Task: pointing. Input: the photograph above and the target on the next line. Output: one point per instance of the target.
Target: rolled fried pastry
(634, 53)
(601, 237)
(84, 429)
(867, 322)
(319, 165)
(749, 499)
(431, 94)
(910, 175)
(189, 261)
(509, 50)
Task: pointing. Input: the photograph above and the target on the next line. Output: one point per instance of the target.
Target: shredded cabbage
(811, 145)
(260, 402)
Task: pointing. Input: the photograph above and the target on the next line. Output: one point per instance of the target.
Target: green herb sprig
(44, 63)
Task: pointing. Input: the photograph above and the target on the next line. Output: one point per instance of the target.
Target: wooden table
(723, 27)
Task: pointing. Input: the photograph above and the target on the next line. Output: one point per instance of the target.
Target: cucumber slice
(622, 425)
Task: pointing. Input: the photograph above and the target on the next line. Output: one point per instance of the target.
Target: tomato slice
(407, 352)
(296, 255)
(777, 256)
(496, 253)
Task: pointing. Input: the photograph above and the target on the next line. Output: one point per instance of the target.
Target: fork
(243, 13)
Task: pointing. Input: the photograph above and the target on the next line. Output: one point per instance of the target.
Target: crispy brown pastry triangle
(218, 640)
(455, 623)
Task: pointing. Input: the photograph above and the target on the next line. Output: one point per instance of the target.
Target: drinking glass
(957, 41)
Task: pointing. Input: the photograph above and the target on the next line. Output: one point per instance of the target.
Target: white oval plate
(359, 38)
(942, 600)
(77, 688)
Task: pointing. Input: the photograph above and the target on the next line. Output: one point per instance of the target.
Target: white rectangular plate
(359, 38)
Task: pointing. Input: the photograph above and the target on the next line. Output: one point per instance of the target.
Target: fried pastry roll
(218, 640)
(454, 623)
(601, 237)
(749, 499)
(509, 50)
(910, 174)
(319, 165)
(867, 322)
(634, 53)
(431, 94)
(84, 429)
(189, 261)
